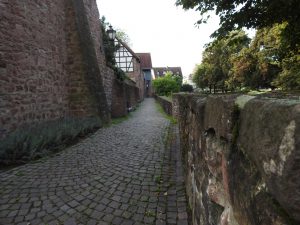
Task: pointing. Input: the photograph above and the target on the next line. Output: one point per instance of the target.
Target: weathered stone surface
(165, 104)
(241, 158)
(270, 136)
(125, 97)
(51, 66)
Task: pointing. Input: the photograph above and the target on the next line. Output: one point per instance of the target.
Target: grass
(161, 110)
(120, 120)
(157, 179)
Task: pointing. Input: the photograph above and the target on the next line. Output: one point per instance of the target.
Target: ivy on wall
(109, 50)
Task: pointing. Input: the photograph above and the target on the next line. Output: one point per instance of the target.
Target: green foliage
(175, 77)
(267, 63)
(214, 69)
(187, 88)
(230, 63)
(201, 75)
(250, 14)
(244, 70)
(167, 85)
(109, 46)
(289, 78)
(121, 75)
(162, 111)
(116, 121)
(123, 36)
(33, 142)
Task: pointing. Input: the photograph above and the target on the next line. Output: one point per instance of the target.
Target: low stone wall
(125, 95)
(175, 107)
(165, 104)
(242, 157)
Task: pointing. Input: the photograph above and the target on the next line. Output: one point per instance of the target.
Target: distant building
(146, 65)
(161, 71)
(128, 61)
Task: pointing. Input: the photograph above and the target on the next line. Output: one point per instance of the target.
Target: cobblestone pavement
(123, 174)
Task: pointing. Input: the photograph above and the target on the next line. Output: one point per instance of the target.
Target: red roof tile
(145, 58)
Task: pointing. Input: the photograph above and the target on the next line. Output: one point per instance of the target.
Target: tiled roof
(145, 58)
(160, 71)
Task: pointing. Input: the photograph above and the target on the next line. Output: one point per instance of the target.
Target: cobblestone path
(122, 174)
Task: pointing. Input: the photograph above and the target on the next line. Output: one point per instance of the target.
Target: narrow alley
(123, 174)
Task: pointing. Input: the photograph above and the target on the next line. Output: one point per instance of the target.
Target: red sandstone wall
(33, 55)
(41, 62)
(106, 72)
(124, 95)
(79, 97)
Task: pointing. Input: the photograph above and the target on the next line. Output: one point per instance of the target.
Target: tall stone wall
(54, 83)
(242, 157)
(51, 63)
(107, 73)
(33, 55)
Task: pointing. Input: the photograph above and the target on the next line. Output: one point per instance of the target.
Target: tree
(289, 78)
(123, 36)
(201, 76)
(214, 70)
(244, 71)
(165, 86)
(237, 14)
(259, 64)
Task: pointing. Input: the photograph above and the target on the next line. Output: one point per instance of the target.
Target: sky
(159, 27)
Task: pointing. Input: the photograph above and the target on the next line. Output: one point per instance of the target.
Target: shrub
(166, 85)
(187, 88)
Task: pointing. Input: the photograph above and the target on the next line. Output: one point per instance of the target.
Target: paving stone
(70, 221)
(107, 178)
(92, 222)
(127, 222)
(13, 213)
(108, 218)
(117, 220)
(29, 217)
